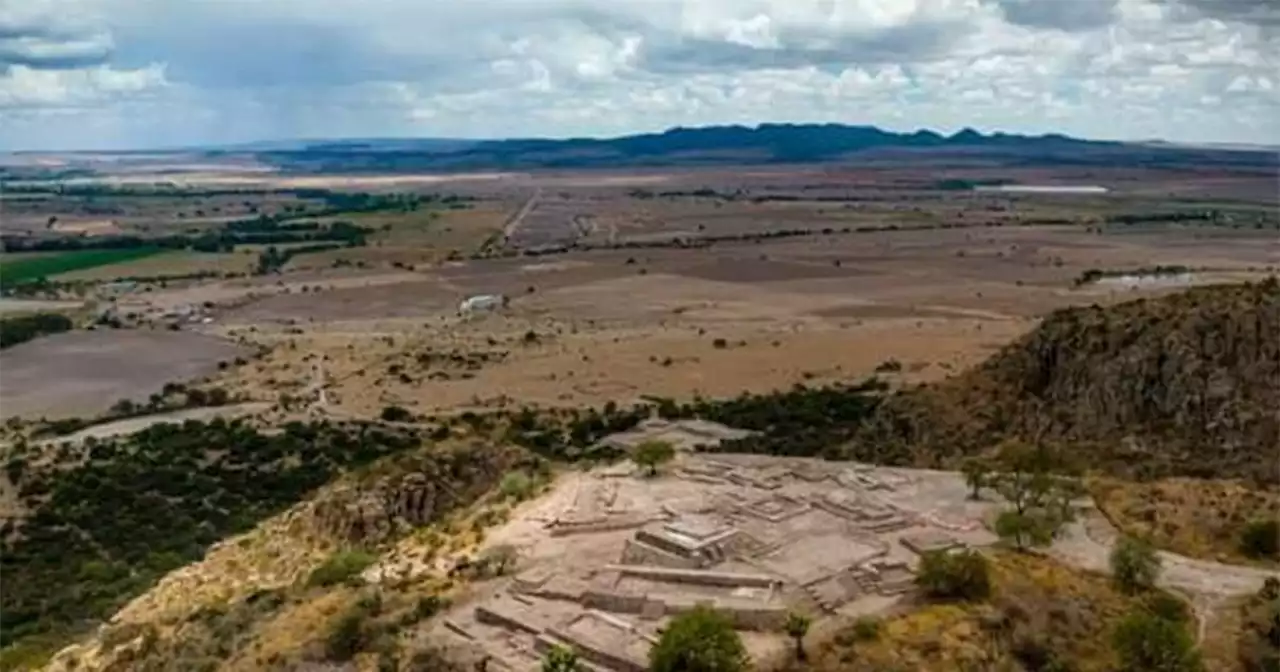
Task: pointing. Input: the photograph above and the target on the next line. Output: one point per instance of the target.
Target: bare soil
(82, 373)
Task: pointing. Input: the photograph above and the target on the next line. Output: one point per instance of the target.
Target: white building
(481, 303)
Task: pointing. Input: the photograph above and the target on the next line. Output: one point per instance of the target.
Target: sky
(132, 74)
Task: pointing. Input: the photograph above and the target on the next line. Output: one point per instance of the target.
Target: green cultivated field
(17, 268)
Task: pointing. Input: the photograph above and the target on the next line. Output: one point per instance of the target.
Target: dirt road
(514, 224)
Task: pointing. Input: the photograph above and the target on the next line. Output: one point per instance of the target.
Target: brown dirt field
(615, 325)
(82, 373)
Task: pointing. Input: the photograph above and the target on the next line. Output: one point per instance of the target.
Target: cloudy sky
(148, 73)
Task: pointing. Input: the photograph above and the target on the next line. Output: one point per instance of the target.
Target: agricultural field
(165, 264)
(18, 268)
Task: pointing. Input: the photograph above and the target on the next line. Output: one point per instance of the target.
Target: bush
(516, 485)
(1134, 565)
(1261, 539)
(1145, 642)
(866, 629)
(341, 567)
(560, 659)
(347, 636)
(650, 454)
(961, 575)
(1166, 606)
(428, 606)
(396, 414)
(699, 640)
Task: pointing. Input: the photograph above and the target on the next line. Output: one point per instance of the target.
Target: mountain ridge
(735, 145)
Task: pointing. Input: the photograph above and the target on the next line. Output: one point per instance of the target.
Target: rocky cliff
(1187, 384)
(411, 490)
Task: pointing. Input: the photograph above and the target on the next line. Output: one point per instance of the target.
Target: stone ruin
(693, 542)
(754, 542)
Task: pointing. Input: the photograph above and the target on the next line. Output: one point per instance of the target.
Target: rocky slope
(1186, 384)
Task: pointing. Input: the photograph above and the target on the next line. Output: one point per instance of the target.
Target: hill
(735, 145)
(1183, 385)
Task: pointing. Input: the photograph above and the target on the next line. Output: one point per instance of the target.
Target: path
(514, 223)
(1087, 543)
(135, 425)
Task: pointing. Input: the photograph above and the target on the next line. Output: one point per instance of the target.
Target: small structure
(482, 303)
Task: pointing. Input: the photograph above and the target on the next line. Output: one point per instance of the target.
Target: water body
(1046, 189)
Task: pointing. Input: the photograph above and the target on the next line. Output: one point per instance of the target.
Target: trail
(514, 223)
(1087, 543)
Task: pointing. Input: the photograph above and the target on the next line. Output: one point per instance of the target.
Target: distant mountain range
(722, 145)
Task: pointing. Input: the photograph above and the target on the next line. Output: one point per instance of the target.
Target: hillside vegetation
(1183, 385)
(104, 522)
(1040, 615)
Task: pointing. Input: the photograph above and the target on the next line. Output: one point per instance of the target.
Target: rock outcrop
(411, 491)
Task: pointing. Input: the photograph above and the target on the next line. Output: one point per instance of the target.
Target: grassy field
(176, 262)
(17, 268)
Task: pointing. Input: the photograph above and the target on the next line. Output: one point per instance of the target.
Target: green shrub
(1145, 642)
(341, 567)
(866, 629)
(1134, 565)
(651, 454)
(347, 636)
(560, 659)
(516, 485)
(396, 414)
(1261, 539)
(699, 640)
(960, 575)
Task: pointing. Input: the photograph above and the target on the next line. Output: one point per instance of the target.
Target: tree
(1145, 642)
(560, 659)
(958, 575)
(699, 640)
(1261, 539)
(650, 454)
(797, 626)
(1024, 528)
(977, 473)
(1134, 565)
(1041, 499)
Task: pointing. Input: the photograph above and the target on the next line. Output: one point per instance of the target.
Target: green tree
(955, 575)
(699, 640)
(1145, 642)
(1134, 565)
(797, 626)
(650, 454)
(560, 659)
(1024, 528)
(1261, 539)
(977, 473)
(1041, 499)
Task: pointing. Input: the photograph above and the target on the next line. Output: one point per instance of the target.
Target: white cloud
(140, 72)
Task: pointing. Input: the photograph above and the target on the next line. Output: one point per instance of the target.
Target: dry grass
(1197, 518)
(1071, 612)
